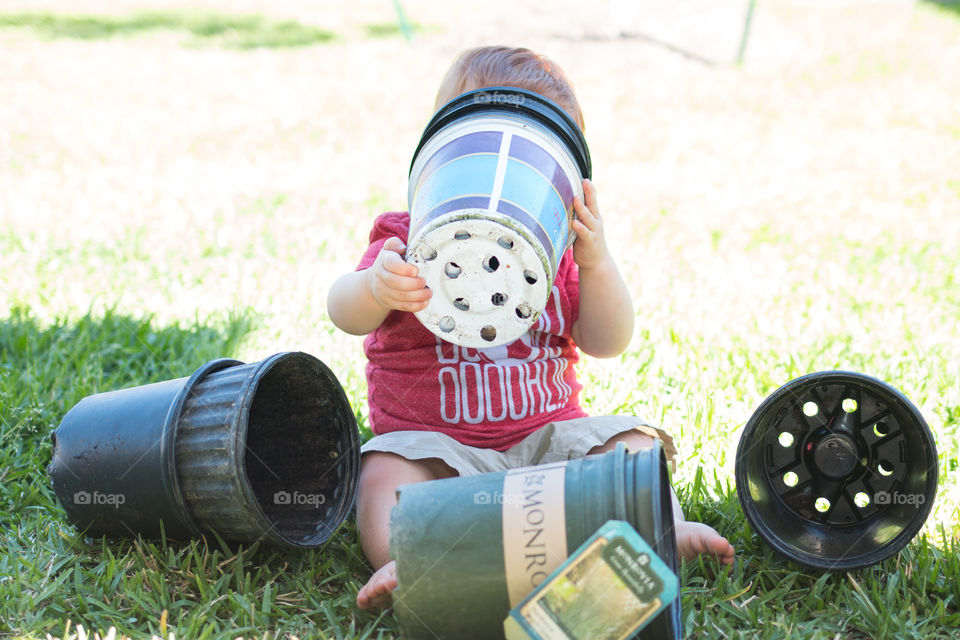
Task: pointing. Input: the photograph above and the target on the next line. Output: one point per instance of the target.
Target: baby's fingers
(394, 263)
(395, 245)
(581, 229)
(403, 299)
(583, 213)
(585, 217)
(395, 283)
(590, 197)
(401, 282)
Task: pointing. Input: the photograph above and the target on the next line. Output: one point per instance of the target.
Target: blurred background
(782, 193)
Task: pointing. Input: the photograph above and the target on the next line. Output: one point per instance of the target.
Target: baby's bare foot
(696, 538)
(376, 594)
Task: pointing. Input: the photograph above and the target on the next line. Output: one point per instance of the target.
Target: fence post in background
(746, 31)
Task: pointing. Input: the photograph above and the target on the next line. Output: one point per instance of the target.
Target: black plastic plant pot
(470, 548)
(836, 470)
(268, 450)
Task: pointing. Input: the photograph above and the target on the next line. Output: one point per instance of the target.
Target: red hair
(510, 67)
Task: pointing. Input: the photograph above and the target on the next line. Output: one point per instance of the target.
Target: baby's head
(509, 67)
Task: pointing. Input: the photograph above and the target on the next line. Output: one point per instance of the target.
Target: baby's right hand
(393, 283)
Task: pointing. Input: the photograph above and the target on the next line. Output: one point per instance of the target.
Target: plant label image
(607, 590)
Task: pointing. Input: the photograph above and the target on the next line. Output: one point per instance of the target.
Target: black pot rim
(758, 514)
(351, 437)
(669, 622)
(516, 101)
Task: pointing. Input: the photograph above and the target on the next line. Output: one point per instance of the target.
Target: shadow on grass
(46, 369)
(229, 30)
(59, 363)
(200, 588)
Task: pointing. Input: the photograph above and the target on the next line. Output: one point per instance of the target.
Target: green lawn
(800, 213)
(236, 31)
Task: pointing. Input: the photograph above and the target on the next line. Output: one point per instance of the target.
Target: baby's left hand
(590, 247)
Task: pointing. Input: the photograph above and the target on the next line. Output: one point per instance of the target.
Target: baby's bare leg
(693, 538)
(380, 475)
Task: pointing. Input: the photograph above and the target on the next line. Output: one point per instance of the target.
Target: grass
(250, 31)
(393, 30)
(207, 589)
(49, 573)
(911, 595)
(152, 222)
(947, 6)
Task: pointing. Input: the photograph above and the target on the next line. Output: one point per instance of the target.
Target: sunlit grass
(392, 29)
(230, 30)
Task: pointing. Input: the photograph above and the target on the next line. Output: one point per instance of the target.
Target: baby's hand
(394, 283)
(590, 247)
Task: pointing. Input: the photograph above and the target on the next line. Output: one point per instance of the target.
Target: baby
(421, 432)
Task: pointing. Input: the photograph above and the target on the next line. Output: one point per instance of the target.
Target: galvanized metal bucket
(491, 200)
(268, 450)
(468, 549)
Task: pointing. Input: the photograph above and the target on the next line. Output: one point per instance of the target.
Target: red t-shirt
(490, 398)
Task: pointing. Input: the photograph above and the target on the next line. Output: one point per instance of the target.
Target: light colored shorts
(553, 442)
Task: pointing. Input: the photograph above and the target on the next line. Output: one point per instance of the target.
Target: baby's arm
(604, 325)
(358, 302)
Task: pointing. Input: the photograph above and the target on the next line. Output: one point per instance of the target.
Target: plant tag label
(534, 527)
(611, 587)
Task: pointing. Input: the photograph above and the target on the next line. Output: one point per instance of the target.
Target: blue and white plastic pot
(491, 195)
